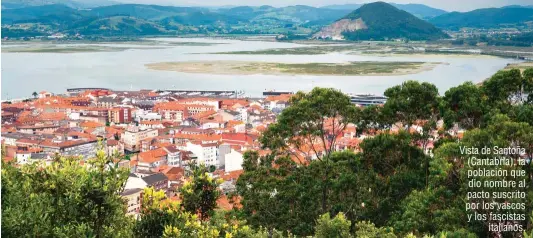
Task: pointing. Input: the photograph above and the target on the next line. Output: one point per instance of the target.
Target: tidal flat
(69, 48)
(364, 68)
(77, 47)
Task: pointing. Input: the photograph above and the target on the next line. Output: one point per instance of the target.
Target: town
(156, 133)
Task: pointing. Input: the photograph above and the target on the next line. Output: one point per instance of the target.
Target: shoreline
(428, 55)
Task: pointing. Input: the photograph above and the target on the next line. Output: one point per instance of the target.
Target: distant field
(295, 51)
(249, 68)
(349, 48)
(385, 49)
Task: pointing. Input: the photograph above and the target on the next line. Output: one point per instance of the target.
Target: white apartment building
(233, 161)
(206, 154)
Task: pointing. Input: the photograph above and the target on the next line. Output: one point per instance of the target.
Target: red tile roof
(282, 97)
(152, 155)
(91, 124)
(233, 175)
(174, 173)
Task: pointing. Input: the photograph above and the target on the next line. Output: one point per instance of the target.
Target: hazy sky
(449, 5)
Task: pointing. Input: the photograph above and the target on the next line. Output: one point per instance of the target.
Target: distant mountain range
(10, 4)
(486, 18)
(172, 20)
(391, 23)
(103, 17)
(515, 6)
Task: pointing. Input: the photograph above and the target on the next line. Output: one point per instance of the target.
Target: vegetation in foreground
(391, 188)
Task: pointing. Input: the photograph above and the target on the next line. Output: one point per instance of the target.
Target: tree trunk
(325, 187)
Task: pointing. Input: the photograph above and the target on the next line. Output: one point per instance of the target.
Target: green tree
(428, 211)
(310, 126)
(508, 87)
(34, 94)
(161, 217)
(296, 191)
(200, 195)
(522, 113)
(397, 168)
(440, 207)
(373, 118)
(460, 233)
(155, 214)
(313, 119)
(528, 84)
(368, 229)
(530, 235)
(268, 181)
(464, 105)
(338, 227)
(65, 199)
(412, 101)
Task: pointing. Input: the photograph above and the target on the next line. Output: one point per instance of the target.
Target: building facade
(133, 136)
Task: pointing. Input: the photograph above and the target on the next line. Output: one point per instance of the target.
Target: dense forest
(391, 188)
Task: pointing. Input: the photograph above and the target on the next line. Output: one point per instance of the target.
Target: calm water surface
(24, 73)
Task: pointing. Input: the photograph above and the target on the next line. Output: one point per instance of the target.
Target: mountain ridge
(484, 18)
(391, 23)
(77, 4)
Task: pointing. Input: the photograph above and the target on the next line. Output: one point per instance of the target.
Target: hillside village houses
(156, 135)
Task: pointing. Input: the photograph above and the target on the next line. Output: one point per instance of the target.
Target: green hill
(198, 18)
(147, 12)
(485, 18)
(382, 21)
(301, 14)
(244, 12)
(48, 14)
(291, 14)
(117, 26)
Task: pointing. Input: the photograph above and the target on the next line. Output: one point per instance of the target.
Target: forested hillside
(382, 21)
(485, 18)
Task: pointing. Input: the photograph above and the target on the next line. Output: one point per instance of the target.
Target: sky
(448, 5)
